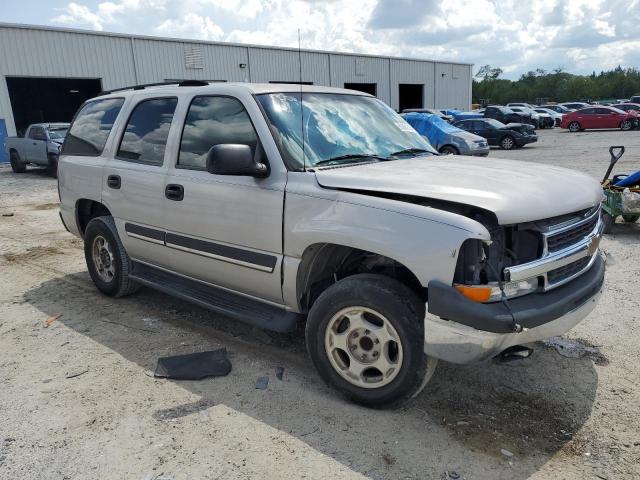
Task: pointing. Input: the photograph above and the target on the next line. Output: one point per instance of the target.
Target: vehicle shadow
(31, 172)
(531, 409)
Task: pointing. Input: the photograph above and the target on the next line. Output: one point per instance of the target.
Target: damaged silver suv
(278, 204)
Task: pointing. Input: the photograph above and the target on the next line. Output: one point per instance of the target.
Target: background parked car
(574, 105)
(497, 133)
(630, 108)
(446, 138)
(555, 116)
(506, 115)
(556, 108)
(433, 111)
(39, 146)
(597, 117)
(512, 104)
(635, 99)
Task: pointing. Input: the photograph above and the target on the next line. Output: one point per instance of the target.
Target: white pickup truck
(279, 204)
(40, 146)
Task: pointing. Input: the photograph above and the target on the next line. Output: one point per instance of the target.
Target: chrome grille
(571, 236)
(562, 273)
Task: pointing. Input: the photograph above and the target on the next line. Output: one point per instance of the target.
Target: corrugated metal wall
(120, 60)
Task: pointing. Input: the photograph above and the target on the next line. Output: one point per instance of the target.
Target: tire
(608, 222)
(449, 150)
(507, 142)
(574, 127)
(109, 267)
(52, 168)
(625, 125)
(17, 165)
(630, 218)
(371, 301)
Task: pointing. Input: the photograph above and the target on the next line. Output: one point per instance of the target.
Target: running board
(216, 299)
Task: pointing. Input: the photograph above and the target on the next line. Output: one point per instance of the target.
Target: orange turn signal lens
(478, 293)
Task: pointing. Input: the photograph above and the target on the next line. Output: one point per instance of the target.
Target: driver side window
(213, 120)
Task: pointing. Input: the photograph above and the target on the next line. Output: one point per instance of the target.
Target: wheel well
(325, 263)
(453, 147)
(86, 210)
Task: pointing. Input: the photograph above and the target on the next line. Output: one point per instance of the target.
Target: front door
(37, 146)
(224, 230)
(133, 180)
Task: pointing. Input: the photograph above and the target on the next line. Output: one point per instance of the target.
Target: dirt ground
(79, 400)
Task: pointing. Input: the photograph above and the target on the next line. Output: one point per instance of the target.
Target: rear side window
(91, 127)
(145, 136)
(212, 121)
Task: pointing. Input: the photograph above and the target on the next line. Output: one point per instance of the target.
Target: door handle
(175, 192)
(114, 181)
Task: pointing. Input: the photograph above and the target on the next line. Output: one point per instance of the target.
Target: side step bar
(216, 299)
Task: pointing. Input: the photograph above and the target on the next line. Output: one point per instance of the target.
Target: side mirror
(234, 159)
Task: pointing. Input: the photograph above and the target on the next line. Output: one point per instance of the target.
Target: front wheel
(365, 336)
(17, 165)
(625, 125)
(507, 142)
(449, 150)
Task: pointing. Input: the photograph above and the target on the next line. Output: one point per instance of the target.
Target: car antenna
(304, 160)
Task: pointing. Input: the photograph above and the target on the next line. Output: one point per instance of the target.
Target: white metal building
(46, 73)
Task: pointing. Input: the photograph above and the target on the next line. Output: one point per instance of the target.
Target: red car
(598, 117)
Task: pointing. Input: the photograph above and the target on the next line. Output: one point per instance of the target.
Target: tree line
(538, 86)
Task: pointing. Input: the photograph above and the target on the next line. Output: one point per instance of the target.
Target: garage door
(43, 99)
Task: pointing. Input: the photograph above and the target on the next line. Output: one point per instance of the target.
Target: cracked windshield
(339, 129)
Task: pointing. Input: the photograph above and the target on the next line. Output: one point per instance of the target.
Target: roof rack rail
(183, 83)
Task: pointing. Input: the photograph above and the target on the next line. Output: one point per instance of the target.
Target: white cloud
(580, 36)
(191, 25)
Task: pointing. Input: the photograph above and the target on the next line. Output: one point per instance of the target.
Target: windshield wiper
(351, 156)
(408, 151)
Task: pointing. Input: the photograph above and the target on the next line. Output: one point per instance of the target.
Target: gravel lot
(548, 416)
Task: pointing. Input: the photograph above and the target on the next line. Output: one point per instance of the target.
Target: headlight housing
(491, 292)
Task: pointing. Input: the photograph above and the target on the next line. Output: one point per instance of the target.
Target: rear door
(587, 118)
(36, 145)
(83, 154)
(134, 177)
(224, 229)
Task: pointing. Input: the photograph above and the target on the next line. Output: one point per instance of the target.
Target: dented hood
(514, 191)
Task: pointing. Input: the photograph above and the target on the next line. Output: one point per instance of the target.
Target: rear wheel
(449, 150)
(608, 222)
(507, 142)
(625, 125)
(17, 165)
(574, 127)
(365, 336)
(107, 260)
(52, 168)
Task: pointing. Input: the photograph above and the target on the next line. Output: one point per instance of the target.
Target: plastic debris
(262, 383)
(77, 372)
(506, 452)
(194, 366)
(51, 319)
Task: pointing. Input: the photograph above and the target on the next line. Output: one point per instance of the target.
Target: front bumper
(524, 140)
(461, 331)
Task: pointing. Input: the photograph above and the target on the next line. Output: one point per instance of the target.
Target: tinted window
(145, 137)
(91, 127)
(212, 121)
(587, 111)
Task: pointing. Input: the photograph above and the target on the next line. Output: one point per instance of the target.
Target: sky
(580, 36)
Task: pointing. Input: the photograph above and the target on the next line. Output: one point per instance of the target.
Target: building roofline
(81, 31)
